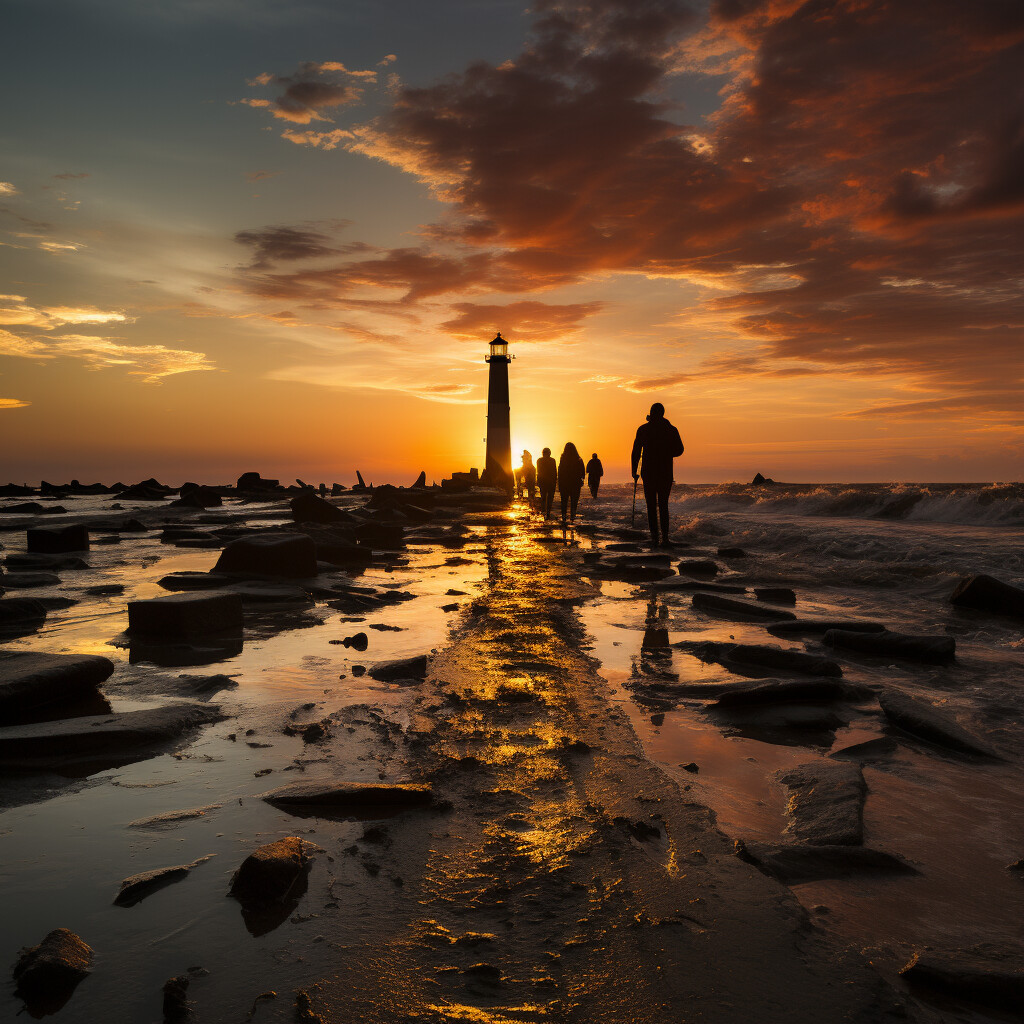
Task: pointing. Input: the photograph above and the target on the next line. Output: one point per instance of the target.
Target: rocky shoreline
(482, 831)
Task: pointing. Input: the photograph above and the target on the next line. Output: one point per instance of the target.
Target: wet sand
(570, 867)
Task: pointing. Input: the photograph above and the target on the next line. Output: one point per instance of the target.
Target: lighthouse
(498, 464)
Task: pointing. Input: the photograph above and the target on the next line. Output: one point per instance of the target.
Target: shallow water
(960, 823)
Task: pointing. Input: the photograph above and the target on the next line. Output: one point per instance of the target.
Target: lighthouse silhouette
(498, 463)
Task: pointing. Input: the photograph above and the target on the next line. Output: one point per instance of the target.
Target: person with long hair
(571, 472)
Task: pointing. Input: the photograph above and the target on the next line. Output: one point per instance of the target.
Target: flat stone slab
(20, 616)
(927, 723)
(188, 580)
(103, 734)
(826, 803)
(989, 974)
(170, 819)
(791, 691)
(55, 539)
(731, 607)
(794, 864)
(377, 800)
(403, 668)
(184, 615)
(136, 888)
(29, 680)
(804, 627)
(28, 580)
(937, 649)
(776, 659)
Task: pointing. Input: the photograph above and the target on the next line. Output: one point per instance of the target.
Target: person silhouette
(594, 473)
(570, 478)
(547, 477)
(657, 443)
(527, 476)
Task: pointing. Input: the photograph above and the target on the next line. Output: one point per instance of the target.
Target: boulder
(358, 641)
(403, 668)
(421, 480)
(46, 975)
(57, 539)
(273, 873)
(102, 734)
(29, 680)
(775, 595)
(350, 799)
(731, 607)
(307, 507)
(758, 480)
(826, 803)
(270, 554)
(935, 649)
(701, 568)
(794, 864)
(198, 497)
(20, 616)
(386, 536)
(255, 482)
(184, 615)
(176, 1006)
(925, 722)
(988, 594)
(187, 579)
(136, 888)
(987, 974)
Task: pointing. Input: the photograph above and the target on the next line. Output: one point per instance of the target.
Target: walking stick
(632, 515)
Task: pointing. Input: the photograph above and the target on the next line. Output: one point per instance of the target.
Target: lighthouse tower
(498, 464)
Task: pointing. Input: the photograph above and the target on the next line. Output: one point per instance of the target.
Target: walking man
(657, 444)
(547, 478)
(594, 473)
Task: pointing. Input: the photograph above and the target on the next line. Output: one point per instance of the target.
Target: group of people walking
(567, 475)
(656, 445)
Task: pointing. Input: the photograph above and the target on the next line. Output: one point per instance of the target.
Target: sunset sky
(277, 236)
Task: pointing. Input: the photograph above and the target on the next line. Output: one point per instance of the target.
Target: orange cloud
(520, 321)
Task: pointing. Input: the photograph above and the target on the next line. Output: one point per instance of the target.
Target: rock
(421, 480)
(308, 508)
(790, 691)
(803, 627)
(47, 974)
(170, 819)
(350, 799)
(701, 568)
(731, 607)
(988, 594)
(866, 750)
(28, 580)
(266, 592)
(185, 615)
(926, 723)
(826, 803)
(270, 882)
(32, 508)
(175, 1004)
(270, 554)
(358, 642)
(16, 562)
(731, 553)
(255, 482)
(935, 649)
(30, 680)
(187, 579)
(386, 536)
(20, 616)
(794, 864)
(57, 539)
(147, 729)
(775, 659)
(145, 490)
(987, 974)
(198, 497)
(758, 479)
(775, 595)
(136, 888)
(403, 668)
(106, 590)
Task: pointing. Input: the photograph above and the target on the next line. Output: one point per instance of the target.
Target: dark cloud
(860, 191)
(520, 321)
(315, 87)
(282, 244)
